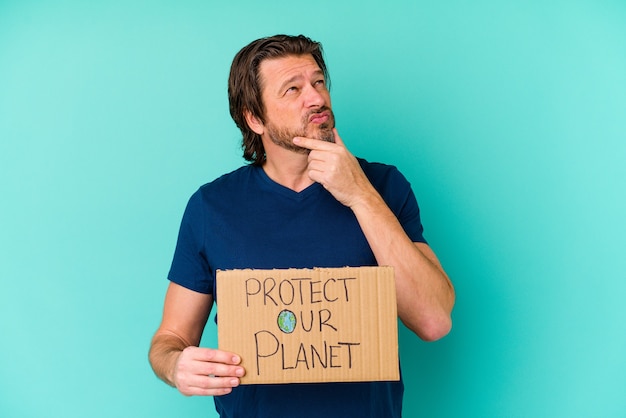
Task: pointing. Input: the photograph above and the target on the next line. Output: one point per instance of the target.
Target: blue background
(508, 118)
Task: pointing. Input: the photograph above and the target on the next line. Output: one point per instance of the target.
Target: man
(304, 201)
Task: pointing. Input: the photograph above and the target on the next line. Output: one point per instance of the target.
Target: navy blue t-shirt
(246, 220)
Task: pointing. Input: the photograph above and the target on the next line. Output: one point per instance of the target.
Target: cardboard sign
(310, 325)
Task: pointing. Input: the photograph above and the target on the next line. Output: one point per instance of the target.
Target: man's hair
(245, 84)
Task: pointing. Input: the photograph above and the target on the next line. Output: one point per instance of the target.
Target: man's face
(297, 101)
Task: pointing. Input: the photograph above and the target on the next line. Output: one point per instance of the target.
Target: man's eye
(291, 89)
(320, 82)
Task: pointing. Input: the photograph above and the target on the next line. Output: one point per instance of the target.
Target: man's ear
(254, 123)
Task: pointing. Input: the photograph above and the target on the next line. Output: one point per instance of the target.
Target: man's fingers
(207, 372)
(212, 355)
(208, 361)
(209, 386)
(212, 382)
(313, 144)
(308, 143)
(217, 369)
(318, 144)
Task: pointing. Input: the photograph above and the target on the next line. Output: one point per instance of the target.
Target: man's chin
(325, 134)
(330, 137)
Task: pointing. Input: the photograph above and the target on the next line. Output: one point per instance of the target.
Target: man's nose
(314, 97)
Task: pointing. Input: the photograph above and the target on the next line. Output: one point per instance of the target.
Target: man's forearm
(425, 294)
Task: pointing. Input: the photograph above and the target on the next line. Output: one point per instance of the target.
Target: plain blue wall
(509, 119)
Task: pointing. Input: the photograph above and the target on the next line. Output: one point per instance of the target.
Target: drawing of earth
(286, 321)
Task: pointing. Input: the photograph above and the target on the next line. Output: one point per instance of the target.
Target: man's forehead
(280, 69)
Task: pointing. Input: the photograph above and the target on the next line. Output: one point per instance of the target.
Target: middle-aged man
(304, 201)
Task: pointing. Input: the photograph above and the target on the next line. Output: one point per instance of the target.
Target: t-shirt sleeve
(190, 268)
(398, 194)
(410, 219)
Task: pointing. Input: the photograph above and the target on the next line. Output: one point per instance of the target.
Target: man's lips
(320, 117)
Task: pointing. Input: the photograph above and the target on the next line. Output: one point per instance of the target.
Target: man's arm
(174, 353)
(425, 294)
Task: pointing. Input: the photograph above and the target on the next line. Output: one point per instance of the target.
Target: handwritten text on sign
(310, 325)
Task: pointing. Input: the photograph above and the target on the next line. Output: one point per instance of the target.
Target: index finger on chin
(311, 143)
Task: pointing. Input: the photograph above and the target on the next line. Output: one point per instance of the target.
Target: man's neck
(288, 169)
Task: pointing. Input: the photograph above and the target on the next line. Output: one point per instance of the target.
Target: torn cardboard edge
(310, 325)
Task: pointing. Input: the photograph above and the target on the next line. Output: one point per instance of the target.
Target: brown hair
(244, 83)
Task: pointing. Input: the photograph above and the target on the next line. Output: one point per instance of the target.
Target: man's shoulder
(379, 171)
(372, 164)
(228, 180)
(226, 186)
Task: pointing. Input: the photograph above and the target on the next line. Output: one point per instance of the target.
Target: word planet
(286, 321)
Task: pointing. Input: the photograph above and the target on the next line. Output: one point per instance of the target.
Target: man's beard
(283, 137)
